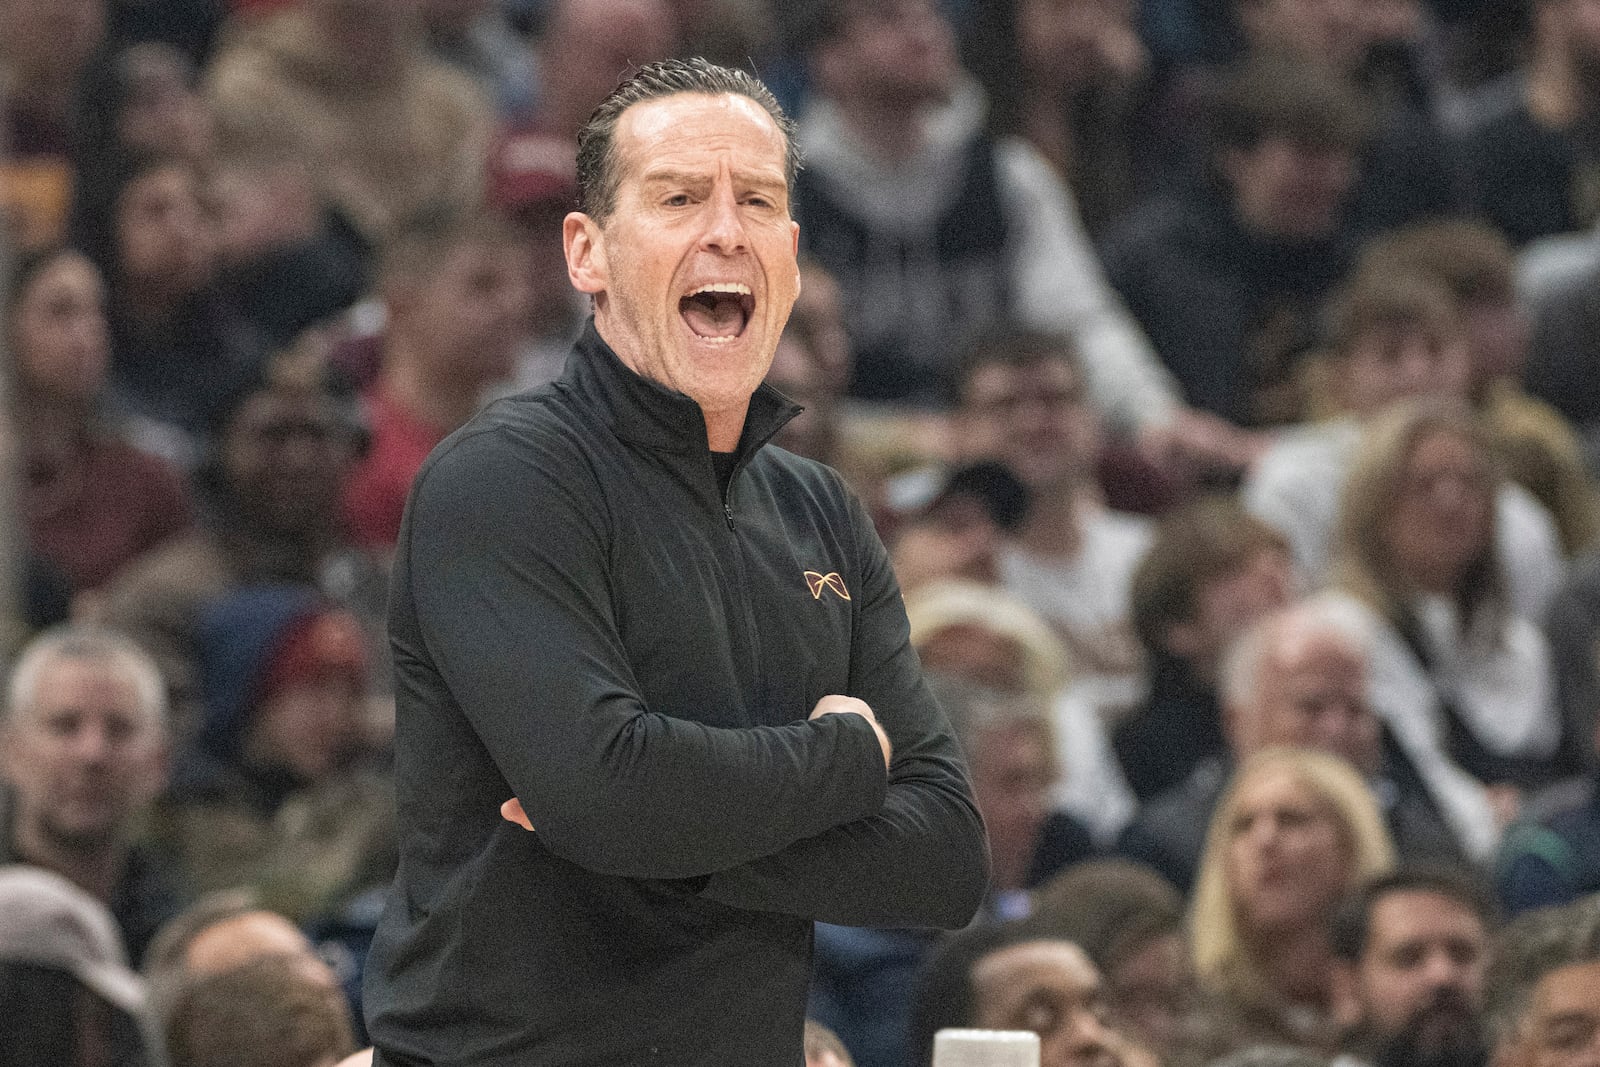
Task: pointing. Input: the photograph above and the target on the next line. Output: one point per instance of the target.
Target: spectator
(84, 751)
(1009, 978)
(1394, 337)
(272, 488)
(1296, 678)
(1541, 1004)
(45, 50)
(586, 48)
(279, 793)
(1538, 447)
(1227, 280)
(456, 292)
(1023, 401)
(219, 932)
(476, 37)
(1458, 673)
(347, 87)
(1212, 571)
(939, 231)
(266, 1013)
(88, 501)
(140, 99)
(1526, 146)
(811, 367)
(1294, 832)
(1412, 949)
(66, 993)
(1129, 921)
(179, 350)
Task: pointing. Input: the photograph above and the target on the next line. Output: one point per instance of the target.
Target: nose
(91, 744)
(724, 232)
(1085, 1042)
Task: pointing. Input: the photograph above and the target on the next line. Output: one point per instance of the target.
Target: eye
(677, 200)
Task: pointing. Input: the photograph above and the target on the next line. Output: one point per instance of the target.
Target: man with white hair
(1299, 678)
(83, 752)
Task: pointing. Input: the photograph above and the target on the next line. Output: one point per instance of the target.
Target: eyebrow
(692, 179)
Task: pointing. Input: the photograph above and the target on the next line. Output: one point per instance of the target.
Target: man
(1542, 1007)
(1411, 952)
(1296, 678)
(84, 751)
(613, 604)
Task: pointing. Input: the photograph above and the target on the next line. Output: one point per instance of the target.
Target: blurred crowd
(1223, 375)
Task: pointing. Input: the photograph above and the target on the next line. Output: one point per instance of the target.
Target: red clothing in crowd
(375, 491)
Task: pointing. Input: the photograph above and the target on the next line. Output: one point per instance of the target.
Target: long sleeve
(506, 568)
(922, 859)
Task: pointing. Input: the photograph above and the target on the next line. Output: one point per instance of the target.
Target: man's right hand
(834, 704)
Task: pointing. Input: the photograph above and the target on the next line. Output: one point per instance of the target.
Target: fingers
(511, 811)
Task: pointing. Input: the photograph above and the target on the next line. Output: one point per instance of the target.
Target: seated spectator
(1024, 402)
(219, 932)
(1525, 145)
(1393, 337)
(47, 47)
(267, 1013)
(89, 501)
(84, 751)
(1294, 832)
(961, 533)
(811, 367)
(1129, 921)
(179, 351)
(586, 48)
(1539, 449)
(272, 516)
(938, 230)
(1212, 571)
(349, 89)
(477, 38)
(1541, 1008)
(66, 994)
(1228, 280)
(456, 293)
(1010, 978)
(1458, 673)
(1412, 948)
(984, 636)
(1296, 678)
(279, 793)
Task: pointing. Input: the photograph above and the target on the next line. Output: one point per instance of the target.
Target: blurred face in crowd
(1050, 988)
(891, 53)
(1419, 980)
(1497, 338)
(1287, 861)
(1443, 518)
(84, 755)
(1289, 190)
(49, 39)
(1072, 43)
(592, 46)
(978, 654)
(1036, 419)
(1321, 30)
(1310, 691)
(467, 315)
(1401, 361)
(58, 332)
(1229, 603)
(312, 727)
(167, 240)
(694, 271)
(251, 935)
(1561, 1026)
(284, 455)
(797, 374)
(1013, 768)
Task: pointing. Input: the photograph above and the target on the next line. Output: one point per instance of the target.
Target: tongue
(711, 315)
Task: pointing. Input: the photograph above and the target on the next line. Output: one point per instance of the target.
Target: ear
(1344, 995)
(582, 242)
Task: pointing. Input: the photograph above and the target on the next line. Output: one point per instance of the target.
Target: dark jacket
(580, 618)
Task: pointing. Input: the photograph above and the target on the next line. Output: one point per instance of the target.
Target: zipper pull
(727, 512)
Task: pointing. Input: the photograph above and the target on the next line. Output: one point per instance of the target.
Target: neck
(93, 868)
(444, 401)
(724, 428)
(1297, 965)
(1054, 526)
(889, 134)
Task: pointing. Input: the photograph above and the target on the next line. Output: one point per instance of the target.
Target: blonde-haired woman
(1463, 681)
(1293, 833)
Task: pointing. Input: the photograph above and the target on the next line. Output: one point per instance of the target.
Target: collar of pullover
(646, 413)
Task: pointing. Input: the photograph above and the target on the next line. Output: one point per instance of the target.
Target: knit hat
(48, 921)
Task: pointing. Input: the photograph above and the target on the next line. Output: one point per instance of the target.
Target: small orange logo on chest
(817, 582)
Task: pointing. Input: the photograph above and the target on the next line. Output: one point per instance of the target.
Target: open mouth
(718, 312)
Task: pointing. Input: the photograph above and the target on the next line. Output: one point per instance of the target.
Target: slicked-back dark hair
(598, 171)
(1352, 922)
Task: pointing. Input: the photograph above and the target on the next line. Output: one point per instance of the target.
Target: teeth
(738, 288)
